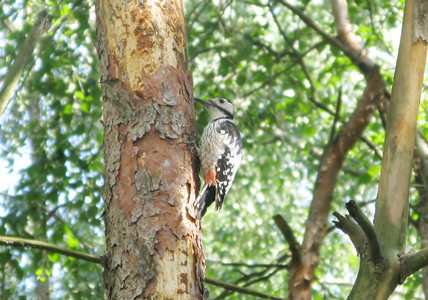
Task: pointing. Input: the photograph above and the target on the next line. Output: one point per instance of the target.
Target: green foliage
(52, 135)
(239, 53)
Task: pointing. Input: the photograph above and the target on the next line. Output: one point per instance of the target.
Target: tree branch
(353, 230)
(372, 146)
(240, 289)
(336, 115)
(343, 28)
(369, 231)
(399, 145)
(364, 65)
(271, 79)
(287, 232)
(332, 161)
(248, 279)
(299, 58)
(412, 263)
(14, 73)
(250, 266)
(28, 243)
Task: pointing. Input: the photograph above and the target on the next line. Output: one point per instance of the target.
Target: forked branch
(361, 231)
(353, 230)
(368, 229)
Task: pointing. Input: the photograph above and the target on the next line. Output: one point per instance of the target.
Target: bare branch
(250, 266)
(287, 69)
(372, 146)
(14, 73)
(240, 289)
(263, 278)
(412, 263)
(299, 57)
(270, 80)
(369, 231)
(353, 230)
(364, 65)
(331, 163)
(35, 244)
(336, 115)
(289, 236)
(399, 145)
(245, 280)
(28, 243)
(344, 30)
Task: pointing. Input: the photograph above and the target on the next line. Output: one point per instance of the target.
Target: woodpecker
(220, 153)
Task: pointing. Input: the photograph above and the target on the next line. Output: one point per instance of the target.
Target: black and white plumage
(220, 153)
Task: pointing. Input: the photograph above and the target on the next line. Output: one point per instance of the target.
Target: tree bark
(344, 30)
(400, 138)
(153, 244)
(379, 281)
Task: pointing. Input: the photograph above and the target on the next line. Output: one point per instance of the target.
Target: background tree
(297, 74)
(51, 137)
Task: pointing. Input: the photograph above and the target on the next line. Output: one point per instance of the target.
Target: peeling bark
(420, 21)
(153, 244)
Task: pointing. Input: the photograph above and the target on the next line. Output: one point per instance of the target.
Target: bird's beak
(204, 102)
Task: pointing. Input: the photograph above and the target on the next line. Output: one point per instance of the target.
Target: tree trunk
(377, 280)
(153, 244)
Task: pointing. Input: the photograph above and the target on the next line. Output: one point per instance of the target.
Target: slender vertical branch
(14, 73)
(336, 115)
(300, 60)
(400, 139)
(392, 204)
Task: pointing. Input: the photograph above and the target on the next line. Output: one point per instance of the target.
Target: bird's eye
(221, 100)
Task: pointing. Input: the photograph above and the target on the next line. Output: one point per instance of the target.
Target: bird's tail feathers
(205, 198)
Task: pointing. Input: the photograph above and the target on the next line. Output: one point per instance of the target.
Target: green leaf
(54, 257)
(72, 242)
